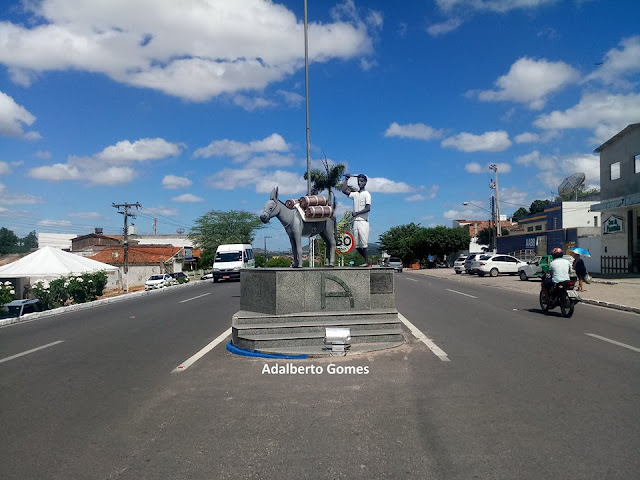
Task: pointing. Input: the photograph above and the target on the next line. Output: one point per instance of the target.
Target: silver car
(395, 263)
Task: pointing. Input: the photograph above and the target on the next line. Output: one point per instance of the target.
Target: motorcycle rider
(559, 270)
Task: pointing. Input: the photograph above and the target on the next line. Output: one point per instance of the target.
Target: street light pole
(491, 222)
(265, 247)
(494, 167)
(306, 94)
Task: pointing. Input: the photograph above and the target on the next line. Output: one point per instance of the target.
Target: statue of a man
(361, 208)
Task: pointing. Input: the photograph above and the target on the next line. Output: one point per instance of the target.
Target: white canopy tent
(48, 263)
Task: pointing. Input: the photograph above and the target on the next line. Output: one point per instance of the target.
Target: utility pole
(265, 247)
(155, 226)
(494, 167)
(126, 214)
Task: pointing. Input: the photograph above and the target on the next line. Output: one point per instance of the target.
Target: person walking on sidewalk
(581, 271)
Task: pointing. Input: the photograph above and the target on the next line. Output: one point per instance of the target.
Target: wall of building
(622, 150)
(175, 240)
(577, 214)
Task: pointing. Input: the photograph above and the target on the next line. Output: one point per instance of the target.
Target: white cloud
(287, 182)
(531, 82)
(292, 99)
(496, 6)
(463, 214)
(138, 151)
(475, 167)
(87, 215)
(56, 172)
(384, 185)
(251, 103)
(555, 168)
(416, 198)
(54, 223)
(43, 155)
(173, 182)
(418, 131)
(232, 148)
(14, 117)
(192, 49)
(164, 211)
(106, 167)
(445, 27)
(487, 142)
(270, 160)
(4, 168)
(188, 198)
(606, 114)
(426, 193)
(529, 159)
(619, 63)
(531, 137)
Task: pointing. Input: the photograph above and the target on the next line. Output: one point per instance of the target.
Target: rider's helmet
(556, 252)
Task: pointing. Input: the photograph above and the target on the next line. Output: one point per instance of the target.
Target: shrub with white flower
(7, 292)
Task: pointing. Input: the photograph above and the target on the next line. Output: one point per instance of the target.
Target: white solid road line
(193, 298)
(460, 293)
(412, 279)
(437, 351)
(187, 363)
(30, 351)
(620, 344)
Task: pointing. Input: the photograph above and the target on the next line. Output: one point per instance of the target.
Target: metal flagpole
(306, 91)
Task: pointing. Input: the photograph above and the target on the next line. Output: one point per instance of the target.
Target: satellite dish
(571, 184)
(180, 231)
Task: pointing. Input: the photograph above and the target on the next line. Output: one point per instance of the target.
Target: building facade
(620, 204)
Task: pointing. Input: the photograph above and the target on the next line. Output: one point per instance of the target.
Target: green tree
(395, 241)
(8, 241)
(30, 242)
(218, 227)
(438, 241)
(278, 262)
(518, 214)
(581, 193)
(538, 206)
(261, 260)
(485, 236)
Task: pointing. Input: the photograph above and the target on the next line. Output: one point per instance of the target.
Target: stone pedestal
(286, 310)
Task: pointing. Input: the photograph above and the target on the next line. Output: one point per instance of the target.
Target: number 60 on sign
(344, 242)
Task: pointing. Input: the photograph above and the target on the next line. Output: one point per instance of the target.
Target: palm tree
(327, 180)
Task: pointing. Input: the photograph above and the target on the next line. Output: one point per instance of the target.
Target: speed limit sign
(344, 242)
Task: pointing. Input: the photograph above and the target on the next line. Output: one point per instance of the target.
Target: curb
(83, 306)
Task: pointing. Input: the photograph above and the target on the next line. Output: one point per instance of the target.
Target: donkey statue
(296, 227)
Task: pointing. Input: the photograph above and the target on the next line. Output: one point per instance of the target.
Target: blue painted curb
(246, 353)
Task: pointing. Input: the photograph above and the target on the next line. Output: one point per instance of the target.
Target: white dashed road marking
(460, 293)
(437, 351)
(30, 351)
(193, 298)
(620, 344)
(193, 359)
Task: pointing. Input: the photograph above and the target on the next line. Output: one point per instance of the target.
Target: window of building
(555, 223)
(529, 229)
(637, 164)
(615, 171)
(595, 220)
(538, 228)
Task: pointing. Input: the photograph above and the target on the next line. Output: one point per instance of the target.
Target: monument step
(321, 351)
(248, 318)
(302, 339)
(305, 327)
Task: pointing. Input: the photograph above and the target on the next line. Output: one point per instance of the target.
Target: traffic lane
(538, 375)
(615, 324)
(66, 401)
(19, 337)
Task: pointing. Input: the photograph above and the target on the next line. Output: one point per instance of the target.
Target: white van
(230, 259)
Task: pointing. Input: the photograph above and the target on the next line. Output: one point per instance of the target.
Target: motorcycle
(560, 295)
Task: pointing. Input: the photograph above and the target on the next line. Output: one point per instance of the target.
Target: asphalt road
(523, 395)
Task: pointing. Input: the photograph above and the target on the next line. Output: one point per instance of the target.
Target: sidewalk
(621, 293)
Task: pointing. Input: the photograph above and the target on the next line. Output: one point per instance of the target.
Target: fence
(614, 265)
(524, 255)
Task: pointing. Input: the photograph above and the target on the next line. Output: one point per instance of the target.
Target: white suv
(496, 264)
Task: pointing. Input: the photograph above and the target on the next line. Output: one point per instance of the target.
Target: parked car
(179, 277)
(468, 262)
(539, 265)
(17, 308)
(158, 281)
(395, 263)
(496, 264)
(458, 265)
(207, 276)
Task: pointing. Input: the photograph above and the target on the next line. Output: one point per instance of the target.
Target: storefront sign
(613, 224)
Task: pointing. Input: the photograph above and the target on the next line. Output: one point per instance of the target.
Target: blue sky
(191, 105)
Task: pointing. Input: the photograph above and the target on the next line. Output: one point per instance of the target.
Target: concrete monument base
(286, 310)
